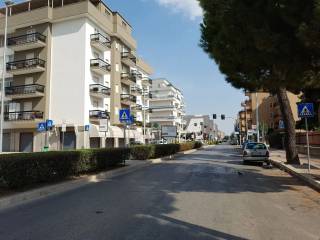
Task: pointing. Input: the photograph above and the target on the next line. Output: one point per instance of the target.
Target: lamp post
(4, 72)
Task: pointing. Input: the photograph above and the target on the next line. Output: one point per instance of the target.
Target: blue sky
(167, 32)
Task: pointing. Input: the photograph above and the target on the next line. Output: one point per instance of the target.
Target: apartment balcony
(25, 91)
(129, 59)
(128, 78)
(100, 66)
(135, 90)
(23, 116)
(98, 115)
(147, 81)
(169, 118)
(100, 91)
(137, 75)
(163, 108)
(27, 42)
(128, 99)
(26, 66)
(100, 42)
(136, 107)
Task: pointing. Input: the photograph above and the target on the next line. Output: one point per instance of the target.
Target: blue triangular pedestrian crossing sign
(305, 110)
(124, 115)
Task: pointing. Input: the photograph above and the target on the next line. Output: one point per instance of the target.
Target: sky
(168, 35)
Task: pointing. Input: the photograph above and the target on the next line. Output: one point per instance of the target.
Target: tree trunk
(290, 127)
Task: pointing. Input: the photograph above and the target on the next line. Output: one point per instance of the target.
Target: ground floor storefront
(72, 137)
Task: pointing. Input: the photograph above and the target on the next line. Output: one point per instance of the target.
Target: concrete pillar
(116, 142)
(103, 142)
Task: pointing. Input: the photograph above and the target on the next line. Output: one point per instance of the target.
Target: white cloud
(189, 8)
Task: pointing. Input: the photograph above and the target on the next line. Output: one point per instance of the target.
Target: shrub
(198, 145)
(25, 169)
(162, 150)
(142, 152)
(186, 146)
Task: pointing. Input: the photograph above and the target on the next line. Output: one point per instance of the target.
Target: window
(201, 123)
(195, 124)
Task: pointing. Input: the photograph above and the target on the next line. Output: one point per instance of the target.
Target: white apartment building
(72, 62)
(200, 127)
(167, 104)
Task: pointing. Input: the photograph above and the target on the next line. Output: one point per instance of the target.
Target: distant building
(201, 127)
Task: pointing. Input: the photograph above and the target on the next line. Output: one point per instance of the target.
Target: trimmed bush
(162, 150)
(198, 145)
(186, 146)
(142, 152)
(25, 169)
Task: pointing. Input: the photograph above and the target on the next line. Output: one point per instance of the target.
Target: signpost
(169, 132)
(306, 110)
(45, 127)
(125, 118)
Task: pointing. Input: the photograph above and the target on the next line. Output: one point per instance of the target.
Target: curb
(37, 194)
(302, 176)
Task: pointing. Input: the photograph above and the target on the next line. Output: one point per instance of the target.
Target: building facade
(201, 127)
(167, 105)
(73, 62)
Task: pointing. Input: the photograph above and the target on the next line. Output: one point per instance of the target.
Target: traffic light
(223, 117)
(214, 116)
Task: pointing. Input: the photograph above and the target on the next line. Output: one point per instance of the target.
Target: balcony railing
(25, 89)
(99, 114)
(23, 116)
(147, 81)
(100, 64)
(137, 74)
(128, 97)
(137, 107)
(130, 56)
(26, 39)
(163, 107)
(100, 89)
(128, 76)
(136, 89)
(100, 39)
(24, 64)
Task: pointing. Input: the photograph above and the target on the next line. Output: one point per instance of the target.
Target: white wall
(68, 67)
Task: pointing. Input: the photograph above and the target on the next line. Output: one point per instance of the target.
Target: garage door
(26, 142)
(69, 141)
(6, 142)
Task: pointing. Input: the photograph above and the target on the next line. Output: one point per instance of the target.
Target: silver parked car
(255, 152)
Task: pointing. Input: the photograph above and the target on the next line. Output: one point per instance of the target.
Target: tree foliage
(264, 44)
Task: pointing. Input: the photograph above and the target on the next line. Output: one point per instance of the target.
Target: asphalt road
(205, 195)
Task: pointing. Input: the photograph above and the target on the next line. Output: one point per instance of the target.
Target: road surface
(205, 195)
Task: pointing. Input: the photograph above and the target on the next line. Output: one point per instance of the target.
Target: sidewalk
(278, 158)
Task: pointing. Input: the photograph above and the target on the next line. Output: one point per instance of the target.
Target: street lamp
(8, 3)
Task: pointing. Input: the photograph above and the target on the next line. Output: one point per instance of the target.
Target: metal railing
(99, 114)
(27, 63)
(24, 89)
(128, 76)
(23, 115)
(128, 97)
(98, 62)
(129, 55)
(136, 89)
(26, 38)
(99, 38)
(137, 107)
(101, 89)
(163, 107)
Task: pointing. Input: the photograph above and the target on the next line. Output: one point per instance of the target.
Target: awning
(116, 132)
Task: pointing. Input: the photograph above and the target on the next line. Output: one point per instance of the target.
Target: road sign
(63, 127)
(305, 110)
(169, 131)
(124, 115)
(49, 123)
(281, 124)
(42, 127)
(103, 126)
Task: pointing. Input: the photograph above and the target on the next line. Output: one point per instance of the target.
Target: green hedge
(25, 169)
(144, 152)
